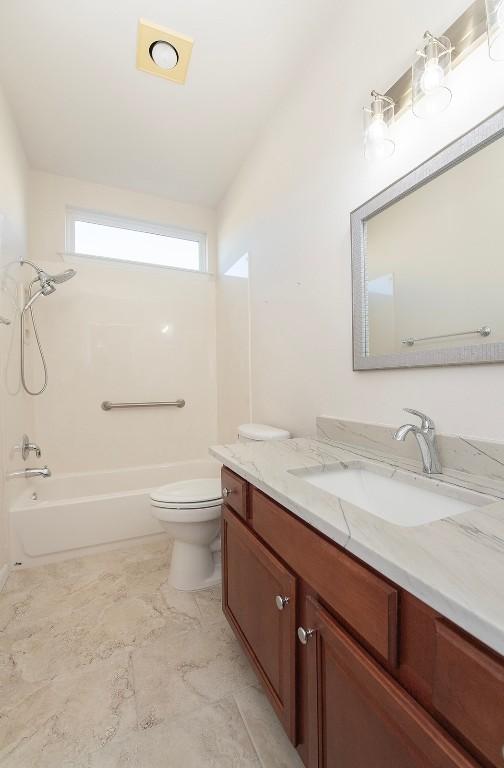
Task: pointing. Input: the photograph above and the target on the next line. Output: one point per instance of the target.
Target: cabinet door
(259, 601)
(359, 716)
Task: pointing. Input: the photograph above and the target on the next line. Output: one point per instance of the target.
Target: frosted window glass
(132, 245)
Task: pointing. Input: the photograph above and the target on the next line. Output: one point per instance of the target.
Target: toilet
(189, 511)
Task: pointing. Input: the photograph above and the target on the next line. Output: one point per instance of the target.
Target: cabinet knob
(281, 601)
(226, 492)
(305, 634)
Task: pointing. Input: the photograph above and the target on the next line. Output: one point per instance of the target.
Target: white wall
(51, 194)
(233, 359)
(14, 408)
(289, 208)
(123, 333)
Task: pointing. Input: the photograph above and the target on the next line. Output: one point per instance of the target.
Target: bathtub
(75, 514)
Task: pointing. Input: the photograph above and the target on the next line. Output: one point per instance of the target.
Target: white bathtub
(81, 513)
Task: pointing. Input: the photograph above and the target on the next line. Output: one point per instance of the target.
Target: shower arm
(34, 266)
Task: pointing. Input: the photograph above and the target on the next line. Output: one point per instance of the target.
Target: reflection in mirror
(435, 260)
(428, 260)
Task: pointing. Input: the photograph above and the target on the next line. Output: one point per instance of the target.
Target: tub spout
(31, 472)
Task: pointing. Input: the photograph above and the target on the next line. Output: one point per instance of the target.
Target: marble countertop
(454, 565)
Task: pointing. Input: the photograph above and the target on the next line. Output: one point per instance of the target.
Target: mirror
(428, 260)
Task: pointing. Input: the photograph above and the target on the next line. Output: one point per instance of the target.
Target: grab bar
(107, 405)
(485, 330)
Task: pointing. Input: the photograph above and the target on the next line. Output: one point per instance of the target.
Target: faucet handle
(26, 447)
(427, 422)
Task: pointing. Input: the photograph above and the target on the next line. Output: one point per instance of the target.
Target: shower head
(45, 278)
(47, 283)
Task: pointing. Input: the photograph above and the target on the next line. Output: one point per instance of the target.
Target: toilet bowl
(189, 511)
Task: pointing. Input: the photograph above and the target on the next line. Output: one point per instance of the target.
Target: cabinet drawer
(468, 692)
(234, 492)
(363, 601)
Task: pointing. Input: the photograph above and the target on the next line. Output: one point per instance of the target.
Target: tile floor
(103, 665)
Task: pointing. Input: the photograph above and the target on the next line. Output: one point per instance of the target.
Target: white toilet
(189, 512)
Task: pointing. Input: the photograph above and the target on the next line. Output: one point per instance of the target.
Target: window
(108, 237)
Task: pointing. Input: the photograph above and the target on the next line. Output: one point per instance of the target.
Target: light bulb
(377, 130)
(164, 55)
(379, 145)
(432, 77)
(378, 118)
(431, 94)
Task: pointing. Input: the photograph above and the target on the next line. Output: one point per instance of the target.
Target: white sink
(404, 498)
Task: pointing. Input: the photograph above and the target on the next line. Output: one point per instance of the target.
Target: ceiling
(84, 110)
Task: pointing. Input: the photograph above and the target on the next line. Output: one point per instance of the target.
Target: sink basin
(403, 499)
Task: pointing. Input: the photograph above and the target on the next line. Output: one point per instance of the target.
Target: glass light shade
(495, 25)
(378, 123)
(164, 55)
(431, 94)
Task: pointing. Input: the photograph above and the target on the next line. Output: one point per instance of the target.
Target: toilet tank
(261, 433)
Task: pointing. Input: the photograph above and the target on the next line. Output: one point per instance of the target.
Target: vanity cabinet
(359, 671)
(259, 601)
(359, 715)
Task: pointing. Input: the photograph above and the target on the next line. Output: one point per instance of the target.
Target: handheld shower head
(62, 277)
(47, 285)
(46, 289)
(47, 282)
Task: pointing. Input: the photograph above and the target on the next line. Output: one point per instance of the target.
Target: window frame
(74, 215)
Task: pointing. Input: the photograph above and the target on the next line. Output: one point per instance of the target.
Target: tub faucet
(26, 447)
(426, 438)
(31, 472)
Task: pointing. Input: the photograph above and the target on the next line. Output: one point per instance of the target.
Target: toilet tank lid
(262, 432)
(189, 491)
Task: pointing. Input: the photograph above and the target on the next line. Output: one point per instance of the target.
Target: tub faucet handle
(26, 447)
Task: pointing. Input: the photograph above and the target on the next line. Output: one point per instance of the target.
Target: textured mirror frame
(483, 134)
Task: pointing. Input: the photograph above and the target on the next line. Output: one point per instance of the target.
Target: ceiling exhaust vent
(162, 52)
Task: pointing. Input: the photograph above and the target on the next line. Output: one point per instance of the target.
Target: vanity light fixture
(430, 93)
(378, 122)
(495, 27)
(162, 52)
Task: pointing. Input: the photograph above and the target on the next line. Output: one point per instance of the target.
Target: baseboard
(4, 572)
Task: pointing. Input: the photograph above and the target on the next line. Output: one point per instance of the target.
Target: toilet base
(194, 567)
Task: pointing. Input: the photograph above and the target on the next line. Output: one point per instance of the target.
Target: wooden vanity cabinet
(234, 492)
(364, 601)
(359, 715)
(382, 679)
(259, 601)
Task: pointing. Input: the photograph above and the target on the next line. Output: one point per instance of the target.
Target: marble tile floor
(104, 665)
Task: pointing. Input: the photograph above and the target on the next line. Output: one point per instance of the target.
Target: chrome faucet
(26, 447)
(31, 472)
(426, 438)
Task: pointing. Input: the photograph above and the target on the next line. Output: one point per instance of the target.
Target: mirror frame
(471, 142)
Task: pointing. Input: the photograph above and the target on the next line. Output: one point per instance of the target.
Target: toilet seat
(188, 501)
(196, 505)
(201, 490)
(180, 515)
